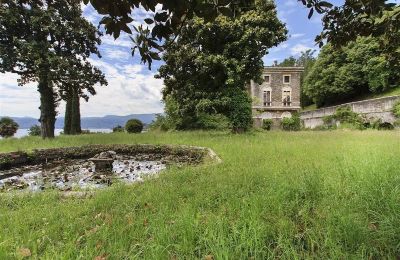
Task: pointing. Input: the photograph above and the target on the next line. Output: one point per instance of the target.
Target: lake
(24, 132)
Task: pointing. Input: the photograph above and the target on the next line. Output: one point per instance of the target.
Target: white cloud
(298, 48)
(115, 54)
(280, 47)
(296, 35)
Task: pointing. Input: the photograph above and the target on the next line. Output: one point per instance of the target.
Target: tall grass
(324, 195)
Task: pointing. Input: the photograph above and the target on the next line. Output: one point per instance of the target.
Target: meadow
(286, 195)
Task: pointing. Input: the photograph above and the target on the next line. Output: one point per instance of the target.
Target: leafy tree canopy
(358, 68)
(341, 24)
(208, 67)
(49, 42)
(8, 127)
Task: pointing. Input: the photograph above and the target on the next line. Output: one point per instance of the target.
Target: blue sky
(132, 87)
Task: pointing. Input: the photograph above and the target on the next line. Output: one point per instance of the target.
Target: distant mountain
(106, 122)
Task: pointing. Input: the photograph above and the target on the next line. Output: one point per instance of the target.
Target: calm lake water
(24, 132)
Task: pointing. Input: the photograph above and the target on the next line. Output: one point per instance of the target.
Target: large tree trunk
(68, 114)
(75, 113)
(47, 107)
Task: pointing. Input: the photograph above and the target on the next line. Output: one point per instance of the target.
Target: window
(267, 79)
(286, 100)
(286, 79)
(267, 98)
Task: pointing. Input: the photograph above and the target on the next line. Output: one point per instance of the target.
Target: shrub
(212, 121)
(8, 127)
(347, 119)
(118, 128)
(161, 123)
(240, 114)
(35, 130)
(291, 123)
(134, 126)
(267, 124)
(396, 110)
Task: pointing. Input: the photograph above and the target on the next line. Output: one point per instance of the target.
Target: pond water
(68, 175)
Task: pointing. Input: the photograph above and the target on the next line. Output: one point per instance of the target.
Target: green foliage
(347, 118)
(269, 187)
(207, 68)
(118, 129)
(291, 123)
(359, 68)
(134, 126)
(160, 123)
(240, 114)
(8, 127)
(213, 121)
(267, 124)
(396, 110)
(34, 130)
(49, 42)
(351, 120)
(338, 26)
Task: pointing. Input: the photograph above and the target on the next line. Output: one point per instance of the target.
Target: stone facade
(278, 96)
(372, 109)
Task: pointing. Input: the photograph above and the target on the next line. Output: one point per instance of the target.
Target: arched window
(287, 96)
(267, 97)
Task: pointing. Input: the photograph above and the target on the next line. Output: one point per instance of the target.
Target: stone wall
(378, 108)
(168, 153)
(276, 85)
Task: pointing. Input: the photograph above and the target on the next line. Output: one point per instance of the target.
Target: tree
(8, 127)
(341, 24)
(288, 62)
(209, 65)
(77, 81)
(34, 130)
(37, 39)
(134, 126)
(360, 67)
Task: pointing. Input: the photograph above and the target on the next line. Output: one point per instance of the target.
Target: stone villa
(278, 96)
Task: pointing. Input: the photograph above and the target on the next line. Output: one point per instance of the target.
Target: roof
(283, 69)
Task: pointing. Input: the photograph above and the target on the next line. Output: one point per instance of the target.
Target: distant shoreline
(22, 132)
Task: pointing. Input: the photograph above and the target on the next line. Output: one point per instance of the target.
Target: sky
(132, 88)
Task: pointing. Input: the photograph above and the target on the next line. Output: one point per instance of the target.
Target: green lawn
(322, 195)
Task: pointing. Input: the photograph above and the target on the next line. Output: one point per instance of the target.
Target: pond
(71, 174)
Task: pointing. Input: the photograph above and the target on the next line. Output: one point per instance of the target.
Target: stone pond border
(167, 153)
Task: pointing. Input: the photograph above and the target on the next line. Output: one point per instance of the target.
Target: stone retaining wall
(378, 108)
(168, 153)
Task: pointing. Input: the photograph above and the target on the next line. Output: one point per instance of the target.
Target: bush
(117, 129)
(291, 123)
(267, 124)
(8, 127)
(35, 130)
(240, 114)
(347, 119)
(396, 110)
(161, 123)
(134, 126)
(212, 121)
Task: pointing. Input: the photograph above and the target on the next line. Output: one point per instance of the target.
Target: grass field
(323, 195)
